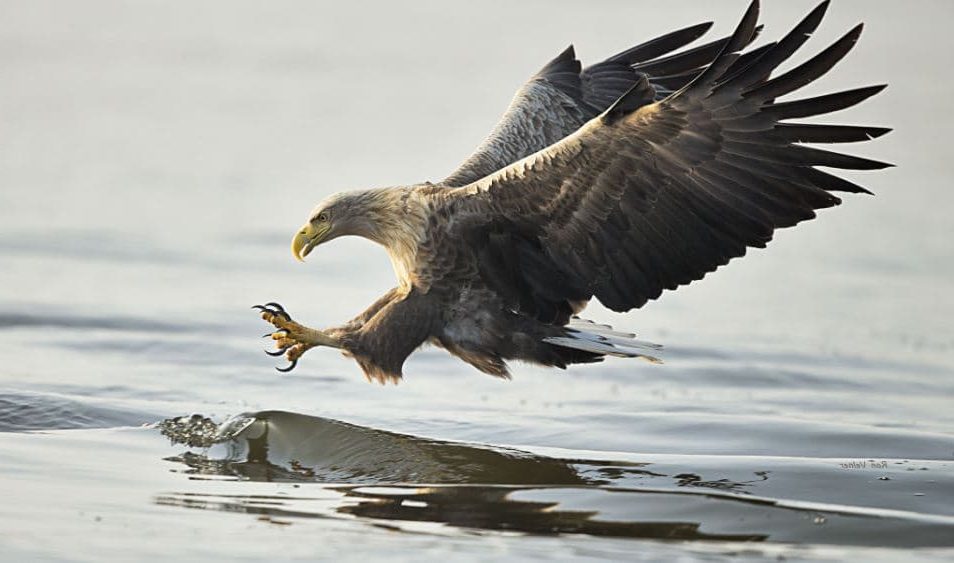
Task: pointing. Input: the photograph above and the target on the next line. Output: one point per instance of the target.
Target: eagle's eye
(323, 217)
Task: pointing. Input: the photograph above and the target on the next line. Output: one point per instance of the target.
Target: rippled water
(154, 162)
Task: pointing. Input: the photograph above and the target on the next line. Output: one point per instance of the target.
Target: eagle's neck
(396, 221)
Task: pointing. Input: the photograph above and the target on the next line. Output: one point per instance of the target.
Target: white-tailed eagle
(615, 181)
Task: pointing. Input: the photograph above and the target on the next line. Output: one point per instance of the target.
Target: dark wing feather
(648, 197)
(563, 95)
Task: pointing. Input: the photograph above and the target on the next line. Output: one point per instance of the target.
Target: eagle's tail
(581, 334)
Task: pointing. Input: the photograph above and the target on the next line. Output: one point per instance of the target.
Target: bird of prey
(614, 181)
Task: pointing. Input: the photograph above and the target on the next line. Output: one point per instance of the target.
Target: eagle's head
(378, 215)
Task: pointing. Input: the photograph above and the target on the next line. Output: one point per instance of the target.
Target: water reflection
(464, 507)
(493, 508)
(693, 480)
(341, 470)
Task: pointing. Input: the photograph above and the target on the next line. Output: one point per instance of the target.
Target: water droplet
(819, 520)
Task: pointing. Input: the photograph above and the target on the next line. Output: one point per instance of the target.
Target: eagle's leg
(292, 339)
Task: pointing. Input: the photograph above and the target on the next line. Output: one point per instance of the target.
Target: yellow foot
(291, 339)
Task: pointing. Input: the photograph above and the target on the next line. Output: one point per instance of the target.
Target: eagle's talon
(279, 352)
(271, 310)
(291, 339)
(277, 308)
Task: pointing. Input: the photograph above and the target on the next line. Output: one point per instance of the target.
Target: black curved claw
(279, 310)
(273, 308)
(290, 366)
(277, 353)
(276, 306)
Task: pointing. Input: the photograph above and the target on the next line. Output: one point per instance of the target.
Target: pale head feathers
(392, 217)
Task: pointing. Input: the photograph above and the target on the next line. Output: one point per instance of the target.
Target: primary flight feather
(616, 181)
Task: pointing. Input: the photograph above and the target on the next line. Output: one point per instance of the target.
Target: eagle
(615, 181)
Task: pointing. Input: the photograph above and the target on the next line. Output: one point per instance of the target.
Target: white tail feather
(602, 339)
(590, 346)
(584, 325)
(616, 340)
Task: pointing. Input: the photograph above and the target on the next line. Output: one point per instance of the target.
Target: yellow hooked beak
(305, 240)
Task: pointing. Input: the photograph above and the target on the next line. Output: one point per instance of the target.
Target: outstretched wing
(649, 197)
(561, 97)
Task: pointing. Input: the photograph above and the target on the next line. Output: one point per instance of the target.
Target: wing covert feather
(564, 95)
(645, 198)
